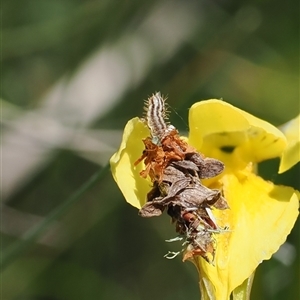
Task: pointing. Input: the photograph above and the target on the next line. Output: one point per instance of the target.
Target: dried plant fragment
(176, 169)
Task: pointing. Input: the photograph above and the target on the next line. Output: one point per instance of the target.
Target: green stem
(34, 233)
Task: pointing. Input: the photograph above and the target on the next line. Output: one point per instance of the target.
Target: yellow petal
(216, 125)
(133, 187)
(291, 155)
(260, 217)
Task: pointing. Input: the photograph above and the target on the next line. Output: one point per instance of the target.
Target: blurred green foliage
(73, 73)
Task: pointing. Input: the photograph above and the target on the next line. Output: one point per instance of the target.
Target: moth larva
(156, 115)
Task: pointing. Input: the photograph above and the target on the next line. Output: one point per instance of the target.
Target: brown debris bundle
(176, 170)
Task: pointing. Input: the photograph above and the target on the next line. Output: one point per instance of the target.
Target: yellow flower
(261, 214)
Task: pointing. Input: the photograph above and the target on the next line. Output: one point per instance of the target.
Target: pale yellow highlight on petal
(260, 217)
(215, 124)
(131, 184)
(291, 155)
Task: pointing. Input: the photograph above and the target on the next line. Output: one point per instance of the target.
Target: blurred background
(73, 73)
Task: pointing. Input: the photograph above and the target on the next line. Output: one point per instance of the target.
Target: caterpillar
(156, 116)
